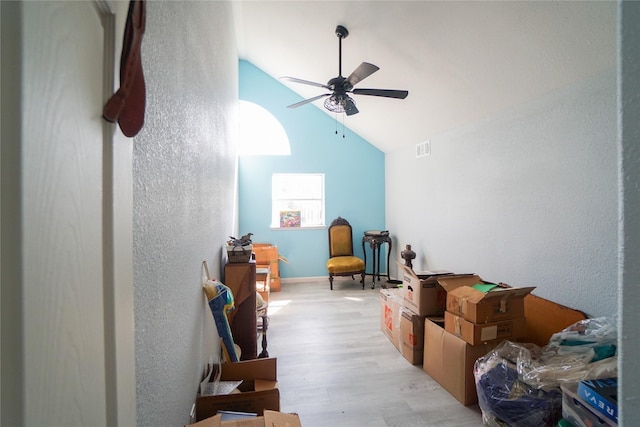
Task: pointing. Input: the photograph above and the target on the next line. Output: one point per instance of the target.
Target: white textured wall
(528, 197)
(184, 186)
(629, 104)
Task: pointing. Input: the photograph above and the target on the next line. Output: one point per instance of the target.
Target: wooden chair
(341, 260)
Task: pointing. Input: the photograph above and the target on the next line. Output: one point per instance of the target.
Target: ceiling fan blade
(363, 71)
(387, 93)
(304, 82)
(306, 101)
(350, 107)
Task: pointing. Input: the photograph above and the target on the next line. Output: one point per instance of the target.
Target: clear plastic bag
(584, 350)
(518, 384)
(505, 400)
(600, 335)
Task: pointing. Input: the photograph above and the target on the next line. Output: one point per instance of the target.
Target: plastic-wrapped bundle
(584, 350)
(519, 384)
(507, 401)
(590, 337)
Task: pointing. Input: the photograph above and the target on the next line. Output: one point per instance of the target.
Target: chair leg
(331, 281)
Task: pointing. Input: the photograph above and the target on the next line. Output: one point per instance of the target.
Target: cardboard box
(479, 333)
(500, 303)
(269, 419)
(545, 318)
(267, 256)
(412, 336)
(449, 360)
(390, 313)
(258, 391)
(421, 293)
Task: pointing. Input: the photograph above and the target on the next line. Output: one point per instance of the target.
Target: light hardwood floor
(337, 368)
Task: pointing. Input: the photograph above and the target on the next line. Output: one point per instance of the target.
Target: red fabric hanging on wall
(127, 105)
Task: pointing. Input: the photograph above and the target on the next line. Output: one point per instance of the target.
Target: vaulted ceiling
(461, 61)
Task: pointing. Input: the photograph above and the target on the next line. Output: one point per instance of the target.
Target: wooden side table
(375, 240)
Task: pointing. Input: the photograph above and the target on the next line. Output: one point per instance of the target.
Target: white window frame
(292, 191)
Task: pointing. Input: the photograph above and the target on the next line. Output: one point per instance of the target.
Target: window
(261, 134)
(297, 200)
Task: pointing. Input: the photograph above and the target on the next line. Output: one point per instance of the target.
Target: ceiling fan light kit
(340, 87)
(340, 105)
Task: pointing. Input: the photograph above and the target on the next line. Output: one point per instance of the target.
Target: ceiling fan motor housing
(340, 85)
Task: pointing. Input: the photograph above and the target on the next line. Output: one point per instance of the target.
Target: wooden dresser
(241, 279)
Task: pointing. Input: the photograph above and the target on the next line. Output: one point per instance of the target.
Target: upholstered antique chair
(341, 260)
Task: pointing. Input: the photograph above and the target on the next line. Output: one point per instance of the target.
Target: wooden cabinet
(241, 279)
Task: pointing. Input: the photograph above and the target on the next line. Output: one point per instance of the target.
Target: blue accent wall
(354, 177)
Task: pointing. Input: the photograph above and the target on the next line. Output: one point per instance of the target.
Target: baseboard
(336, 279)
(304, 279)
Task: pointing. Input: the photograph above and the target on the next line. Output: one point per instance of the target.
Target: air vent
(423, 149)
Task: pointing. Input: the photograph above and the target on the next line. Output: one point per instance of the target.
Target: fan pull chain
(342, 124)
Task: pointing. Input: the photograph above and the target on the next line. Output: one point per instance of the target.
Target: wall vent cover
(423, 149)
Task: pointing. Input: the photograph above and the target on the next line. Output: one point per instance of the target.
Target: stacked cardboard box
(403, 311)
(412, 336)
(474, 323)
(481, 312)
(446, 324)
(449, 360)
(422, 294)
(390, 314)
(422, 297)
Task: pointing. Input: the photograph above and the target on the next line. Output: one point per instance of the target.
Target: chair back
(340, 238)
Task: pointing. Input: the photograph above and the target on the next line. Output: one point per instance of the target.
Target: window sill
(315, 227)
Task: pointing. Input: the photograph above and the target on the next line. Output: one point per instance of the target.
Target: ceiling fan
(340, 87)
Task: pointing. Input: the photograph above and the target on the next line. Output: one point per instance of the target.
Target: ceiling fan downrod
(342, 33)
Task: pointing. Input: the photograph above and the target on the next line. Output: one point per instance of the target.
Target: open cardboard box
(269, 419)
(545, 318)
(258, 391)
(421, 292)
(500, 303)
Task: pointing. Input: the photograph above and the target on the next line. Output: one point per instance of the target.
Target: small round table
(375, 239)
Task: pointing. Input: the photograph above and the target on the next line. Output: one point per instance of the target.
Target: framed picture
(289, 219)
